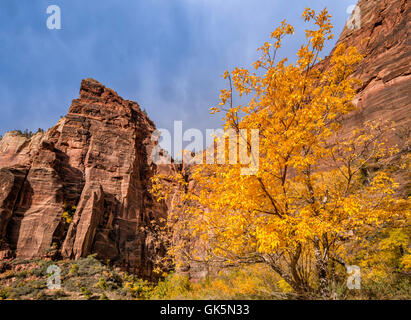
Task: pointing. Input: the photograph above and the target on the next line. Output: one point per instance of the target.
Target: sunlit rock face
(97, 159)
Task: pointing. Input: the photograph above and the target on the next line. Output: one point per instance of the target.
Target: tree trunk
(321, 265)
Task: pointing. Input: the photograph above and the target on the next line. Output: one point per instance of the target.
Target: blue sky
(168, 55)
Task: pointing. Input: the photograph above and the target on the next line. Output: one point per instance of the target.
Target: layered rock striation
(381, 34)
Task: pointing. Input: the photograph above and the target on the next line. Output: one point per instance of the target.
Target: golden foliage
(314, 191)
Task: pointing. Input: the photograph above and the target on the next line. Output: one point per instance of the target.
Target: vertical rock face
(382, 36)
(94, 163)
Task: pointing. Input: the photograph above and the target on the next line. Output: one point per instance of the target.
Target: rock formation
(382, 36)
(97, 160)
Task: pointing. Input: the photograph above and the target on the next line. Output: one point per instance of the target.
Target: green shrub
(74, 269)
(102, 284)
(4, 293)
(86, 292)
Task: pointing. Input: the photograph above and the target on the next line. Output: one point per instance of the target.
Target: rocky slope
(95, 165)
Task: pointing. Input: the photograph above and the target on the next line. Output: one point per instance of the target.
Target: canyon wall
(382, 36)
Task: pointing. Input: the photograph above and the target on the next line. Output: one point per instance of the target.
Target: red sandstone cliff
(383, 39)
(97, 159)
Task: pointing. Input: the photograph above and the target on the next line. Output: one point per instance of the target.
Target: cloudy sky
(168, 55)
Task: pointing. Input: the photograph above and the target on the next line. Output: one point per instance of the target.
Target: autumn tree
(313, 192)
